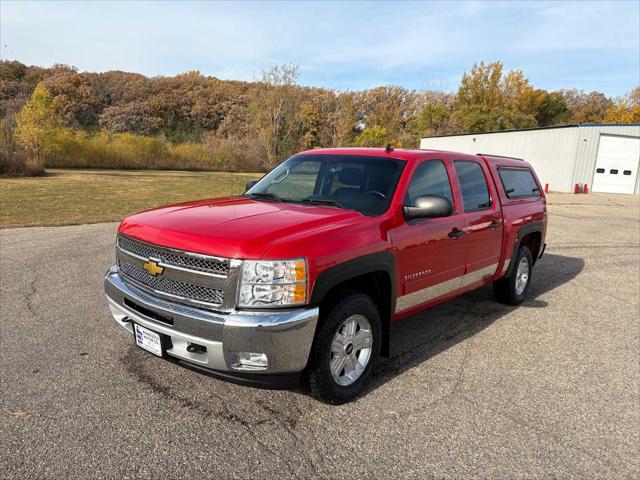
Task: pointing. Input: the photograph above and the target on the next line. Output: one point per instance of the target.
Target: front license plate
(148, 340)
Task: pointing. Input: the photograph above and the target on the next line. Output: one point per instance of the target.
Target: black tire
(319, 377)
(505, 290)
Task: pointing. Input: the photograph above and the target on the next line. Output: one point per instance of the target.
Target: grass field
(65, 197)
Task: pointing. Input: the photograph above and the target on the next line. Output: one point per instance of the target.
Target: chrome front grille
(171, 287)
(183, 277)
(191, 261)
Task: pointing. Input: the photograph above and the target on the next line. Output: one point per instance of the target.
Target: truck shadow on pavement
(424, 335)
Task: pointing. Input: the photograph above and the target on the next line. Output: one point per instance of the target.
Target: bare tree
(274, 112)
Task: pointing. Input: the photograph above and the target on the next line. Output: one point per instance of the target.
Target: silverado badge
(153, 268)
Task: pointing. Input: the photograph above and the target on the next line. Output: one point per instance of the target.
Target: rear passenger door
(483, 218)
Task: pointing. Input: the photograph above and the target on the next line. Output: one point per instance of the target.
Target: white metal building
(604, 157)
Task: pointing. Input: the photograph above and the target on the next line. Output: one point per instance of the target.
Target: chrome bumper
(285, 336)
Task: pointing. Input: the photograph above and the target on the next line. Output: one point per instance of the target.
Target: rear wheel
(346, 348)
(513, 289)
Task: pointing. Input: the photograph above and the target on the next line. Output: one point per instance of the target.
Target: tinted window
(600, 170)
(627, 172)
(613, 171)
(365, 184)
(475, 192)
(518, 182)
(430, 178)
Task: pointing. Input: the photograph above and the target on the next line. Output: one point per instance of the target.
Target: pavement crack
(224, 412)
(463, 365)
(29, 298)
(455, 388)
(290, 425)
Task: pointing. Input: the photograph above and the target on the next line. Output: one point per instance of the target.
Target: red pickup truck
(302, 275)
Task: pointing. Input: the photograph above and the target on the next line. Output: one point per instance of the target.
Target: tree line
(60, 117)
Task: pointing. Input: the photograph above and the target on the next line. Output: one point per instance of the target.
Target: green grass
(70, 196)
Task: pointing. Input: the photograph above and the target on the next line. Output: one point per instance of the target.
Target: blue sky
(342, 45)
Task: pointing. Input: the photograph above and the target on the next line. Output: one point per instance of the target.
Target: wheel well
(533, 241)
(376, 285)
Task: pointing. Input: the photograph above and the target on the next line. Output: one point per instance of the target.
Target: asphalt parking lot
(473, 388)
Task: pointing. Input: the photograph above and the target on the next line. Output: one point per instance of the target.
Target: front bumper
(285, 336)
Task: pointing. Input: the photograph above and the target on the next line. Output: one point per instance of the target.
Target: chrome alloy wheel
(522, 275)
(351, 350)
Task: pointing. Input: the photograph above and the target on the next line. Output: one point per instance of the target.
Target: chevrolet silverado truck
(301, 277)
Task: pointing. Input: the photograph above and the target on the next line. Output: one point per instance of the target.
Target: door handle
(456, 233)
(495, 224)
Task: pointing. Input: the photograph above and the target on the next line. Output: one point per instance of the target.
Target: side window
(518, 182)
(475, 192)
(430, 178)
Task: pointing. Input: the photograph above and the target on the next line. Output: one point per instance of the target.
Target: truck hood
(233, 227)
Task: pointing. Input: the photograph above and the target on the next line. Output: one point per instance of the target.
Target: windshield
(361, 183)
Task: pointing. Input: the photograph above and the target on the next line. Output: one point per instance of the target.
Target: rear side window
(430, 178)
(518, 182)
(475, 192)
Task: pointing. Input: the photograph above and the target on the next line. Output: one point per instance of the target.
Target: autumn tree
(486, 101)
(343, 120)
(135, 117)
(76, 97)
(373, 136)
(387, 109)
(17, 82)
(434, 116)
(481, 87)
(310, 120)
(35, 124)
(549, 108)
(586, 107)
(627, 109)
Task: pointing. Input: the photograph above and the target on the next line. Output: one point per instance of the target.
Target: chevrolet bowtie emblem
(153, 268)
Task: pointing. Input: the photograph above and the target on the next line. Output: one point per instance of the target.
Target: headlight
(279, 283)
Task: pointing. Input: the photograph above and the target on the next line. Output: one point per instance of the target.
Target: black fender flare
(384, 262)
(532, 227)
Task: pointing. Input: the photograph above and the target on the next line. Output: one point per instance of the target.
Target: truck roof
(409, 154)
(399, 153)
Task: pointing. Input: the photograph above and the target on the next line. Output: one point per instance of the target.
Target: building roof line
(538, 128)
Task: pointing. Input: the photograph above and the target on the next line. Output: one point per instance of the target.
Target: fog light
(248, 361)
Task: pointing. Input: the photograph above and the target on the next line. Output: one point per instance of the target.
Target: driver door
(430, 252)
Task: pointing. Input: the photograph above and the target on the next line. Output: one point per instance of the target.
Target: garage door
(617, 164)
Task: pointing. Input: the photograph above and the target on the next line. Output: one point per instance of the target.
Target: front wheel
(512, 289)
(346, 348)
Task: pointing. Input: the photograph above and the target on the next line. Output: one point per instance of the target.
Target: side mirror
(249, 184)
(429, 206)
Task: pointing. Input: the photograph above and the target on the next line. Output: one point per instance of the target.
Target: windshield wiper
(325, 201)
(270, 196)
